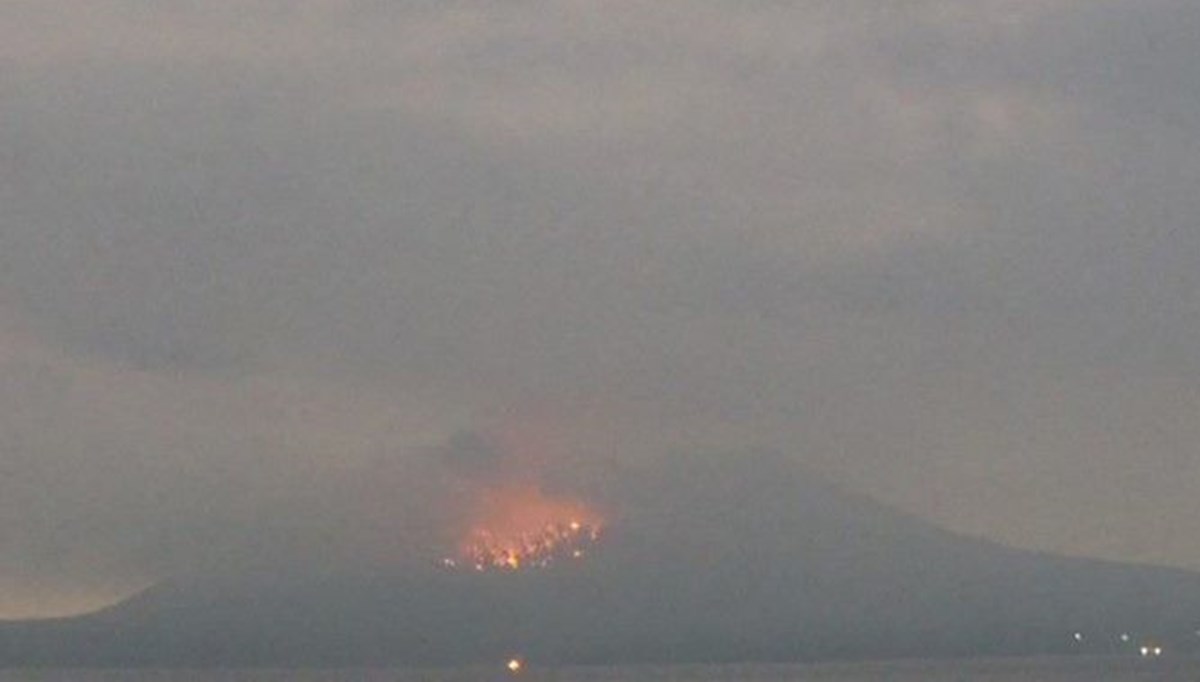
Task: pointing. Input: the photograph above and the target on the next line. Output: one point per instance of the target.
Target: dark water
(1008, 670)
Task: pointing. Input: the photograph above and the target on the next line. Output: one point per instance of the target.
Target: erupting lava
(520, 527)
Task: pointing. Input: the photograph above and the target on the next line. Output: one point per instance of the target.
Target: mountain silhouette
(712, 559)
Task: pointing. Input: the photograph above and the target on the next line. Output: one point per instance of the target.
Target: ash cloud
(469, 454)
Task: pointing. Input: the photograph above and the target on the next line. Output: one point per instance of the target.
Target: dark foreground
(1068, 669)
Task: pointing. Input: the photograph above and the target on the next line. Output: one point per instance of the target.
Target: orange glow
(519, 527)
(514, 665)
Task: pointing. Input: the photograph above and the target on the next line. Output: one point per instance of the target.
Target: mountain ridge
(766, 563)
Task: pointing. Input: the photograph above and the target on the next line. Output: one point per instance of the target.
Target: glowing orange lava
(520, 527)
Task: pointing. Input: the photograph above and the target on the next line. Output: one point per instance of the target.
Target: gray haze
(293, 277)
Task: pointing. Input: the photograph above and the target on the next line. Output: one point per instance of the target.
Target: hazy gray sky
(260, 262)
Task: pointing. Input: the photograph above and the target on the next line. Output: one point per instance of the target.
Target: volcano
(709, 561)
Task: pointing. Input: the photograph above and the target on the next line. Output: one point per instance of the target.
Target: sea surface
(1165, 669)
